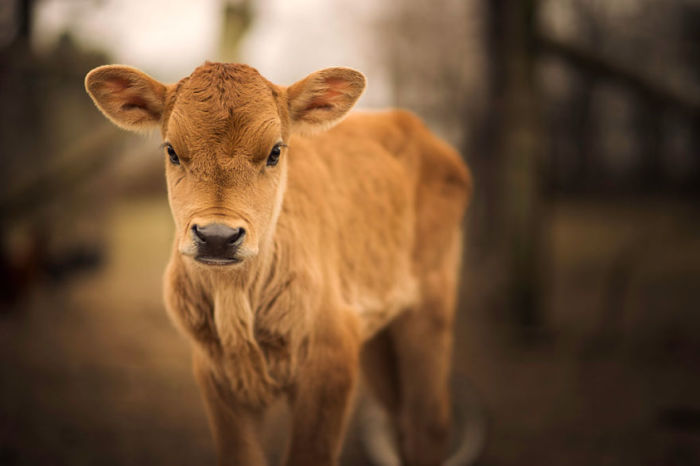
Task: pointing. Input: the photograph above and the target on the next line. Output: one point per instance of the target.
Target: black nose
(216, 241)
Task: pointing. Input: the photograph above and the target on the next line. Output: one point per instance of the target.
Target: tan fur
(353, 238)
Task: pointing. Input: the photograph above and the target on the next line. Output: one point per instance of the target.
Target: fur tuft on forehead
(225, 85)
(221, 101)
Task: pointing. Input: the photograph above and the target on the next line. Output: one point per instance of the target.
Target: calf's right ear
(130, 98)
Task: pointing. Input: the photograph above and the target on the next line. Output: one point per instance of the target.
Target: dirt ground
(94, 373)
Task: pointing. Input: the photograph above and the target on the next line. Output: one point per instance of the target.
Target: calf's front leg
(320, 401)
(235, 426)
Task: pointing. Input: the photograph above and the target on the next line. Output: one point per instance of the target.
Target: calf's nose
(217, 240)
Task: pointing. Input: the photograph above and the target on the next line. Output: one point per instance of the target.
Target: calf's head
(225, 133)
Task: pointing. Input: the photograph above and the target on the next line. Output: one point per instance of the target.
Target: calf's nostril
(238, 234)
(198, 234)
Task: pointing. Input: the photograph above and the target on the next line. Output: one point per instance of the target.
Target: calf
(304, 249)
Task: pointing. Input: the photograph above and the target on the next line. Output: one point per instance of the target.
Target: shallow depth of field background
(578, 336)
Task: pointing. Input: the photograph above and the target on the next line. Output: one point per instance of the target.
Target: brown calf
(302, 254)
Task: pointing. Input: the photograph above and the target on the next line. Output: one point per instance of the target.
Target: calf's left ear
(322, 99)
(130, 98)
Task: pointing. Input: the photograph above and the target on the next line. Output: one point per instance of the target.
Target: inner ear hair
(323, 98)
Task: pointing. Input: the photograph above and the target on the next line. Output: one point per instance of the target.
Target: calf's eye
(274, 156)
(174, 159)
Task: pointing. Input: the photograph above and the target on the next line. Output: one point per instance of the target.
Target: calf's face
(225, 135)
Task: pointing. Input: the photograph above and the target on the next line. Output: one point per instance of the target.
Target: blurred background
(577, 339)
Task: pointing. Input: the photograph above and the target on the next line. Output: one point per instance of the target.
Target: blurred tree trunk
(237, 18)
(514, 171)
(25, 21)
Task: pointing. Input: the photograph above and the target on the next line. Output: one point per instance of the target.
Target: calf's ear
(130, 98)
(322, 99)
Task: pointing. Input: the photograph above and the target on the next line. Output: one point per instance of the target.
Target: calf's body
(350, 256)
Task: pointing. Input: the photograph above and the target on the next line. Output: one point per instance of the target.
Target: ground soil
(93, 372)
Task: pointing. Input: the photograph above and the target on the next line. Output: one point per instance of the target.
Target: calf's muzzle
(217, 244)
